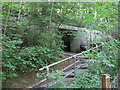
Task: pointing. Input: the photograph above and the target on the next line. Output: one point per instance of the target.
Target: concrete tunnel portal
(68, 39)
(76, 39)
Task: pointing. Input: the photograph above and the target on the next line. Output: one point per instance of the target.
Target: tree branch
(64, 16)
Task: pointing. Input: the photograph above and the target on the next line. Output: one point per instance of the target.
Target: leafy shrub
(25, 59)
(56, 76)
(103, 62)
(10, 51)
(107, 59)
(86, 79)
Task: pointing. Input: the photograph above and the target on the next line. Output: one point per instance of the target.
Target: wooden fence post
(105, 81)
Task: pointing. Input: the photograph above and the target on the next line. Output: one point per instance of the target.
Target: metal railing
(74, 57)
(115, 82)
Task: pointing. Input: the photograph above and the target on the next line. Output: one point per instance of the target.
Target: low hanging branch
(51, 12)
(7, 18)
(64, 16)
(20, 10)
(50, 22)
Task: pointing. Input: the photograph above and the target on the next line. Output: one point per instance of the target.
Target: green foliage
(88, 18)
(105, 60)
(56, 76)
(68, 32)
(29, 43)
(101, 17)
(26, 59)
(86, 79)
(9, 53)
(53, 77)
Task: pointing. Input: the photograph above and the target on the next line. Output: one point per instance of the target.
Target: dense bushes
(10, 52)
(107, 59)
(103, 62)
(26, 59)
(29, 43)
(86, 79)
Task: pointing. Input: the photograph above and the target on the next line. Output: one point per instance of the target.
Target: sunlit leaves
(79, 10)
(88, 18)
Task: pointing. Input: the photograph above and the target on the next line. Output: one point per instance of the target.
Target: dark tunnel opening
(66, 40)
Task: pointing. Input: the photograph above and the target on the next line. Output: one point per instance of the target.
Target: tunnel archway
(81, 40)
(66, 40)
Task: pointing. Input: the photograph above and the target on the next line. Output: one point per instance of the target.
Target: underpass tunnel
(72, 44)
(77, 39)
(66, 40)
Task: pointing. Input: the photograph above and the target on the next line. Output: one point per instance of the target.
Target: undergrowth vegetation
(29, 42)
(30, 58)
(103, 62)
(86, 79)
